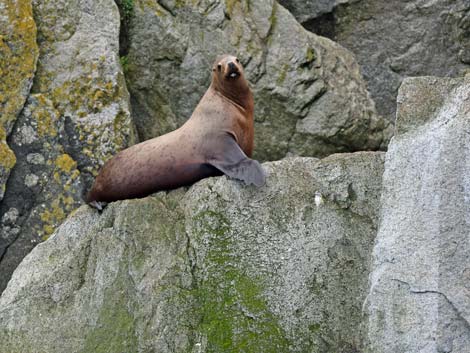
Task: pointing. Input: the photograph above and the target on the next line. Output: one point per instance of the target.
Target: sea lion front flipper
(233, 162)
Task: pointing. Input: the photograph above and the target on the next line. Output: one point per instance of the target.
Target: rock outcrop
(18, 56)
(310, 98)
(75, 118)
(394, 39)
(419, 300)
(216, 268)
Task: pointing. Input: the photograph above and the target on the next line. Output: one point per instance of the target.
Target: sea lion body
(218, 138)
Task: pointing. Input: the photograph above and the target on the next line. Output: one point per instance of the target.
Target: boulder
(219, 267)
(309, 10)
(394, 39)
(310, 98)
(18, 56)
(419, 297)
(76, 117)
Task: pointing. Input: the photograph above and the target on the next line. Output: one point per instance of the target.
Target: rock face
(419, 300)
(76, 117)
(394, 39)
(309, 10)
(18, 55)
(217, 268)
(310, 98)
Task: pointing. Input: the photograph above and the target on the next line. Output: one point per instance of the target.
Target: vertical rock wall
(419, 300)
(75, 118)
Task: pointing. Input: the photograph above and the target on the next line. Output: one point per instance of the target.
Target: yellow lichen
(45, 122)
(56, 213)
(18, 54)
(65, 163)
(7, 157)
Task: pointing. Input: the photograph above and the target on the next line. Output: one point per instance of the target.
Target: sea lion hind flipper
(233, 162)
(99, 205)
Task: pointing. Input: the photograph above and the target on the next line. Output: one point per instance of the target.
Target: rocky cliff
(419, 297)
(327, 257)
(393, 39)
(216, 268)
(355, 252)
(68, 108)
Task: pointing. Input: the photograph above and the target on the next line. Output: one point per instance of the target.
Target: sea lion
(217, 138)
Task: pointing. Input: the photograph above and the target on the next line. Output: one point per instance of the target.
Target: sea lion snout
(232, 70)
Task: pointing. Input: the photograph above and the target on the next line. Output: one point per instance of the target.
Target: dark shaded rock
(394, 39)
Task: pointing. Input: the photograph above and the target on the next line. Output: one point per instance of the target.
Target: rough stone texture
(218, 268)
(419, 299)
(395, 39)
(18, 55)
(307, 10)
(75, 119)
(310, 98)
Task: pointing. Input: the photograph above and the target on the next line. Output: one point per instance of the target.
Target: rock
(308, 10)
(76, 117)
(395, 39)
(310, 98)
(220, 267)
(419, 300)
(18, 55)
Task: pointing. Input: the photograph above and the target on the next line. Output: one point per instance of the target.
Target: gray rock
(218, 268)
(395, 39)
(310, 98)
(419, 300)
(76, 117)
(308, 10)
(18, 56)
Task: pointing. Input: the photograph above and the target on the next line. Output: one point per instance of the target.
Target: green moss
(310, 55)
(114, 331)
(127, 10)
(273, 17)
(124, 60)
(314, 328)
(180, 3)
(229, 5)
(283, 74)
(234, 313)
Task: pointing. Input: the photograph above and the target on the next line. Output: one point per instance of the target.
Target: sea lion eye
(219, 67)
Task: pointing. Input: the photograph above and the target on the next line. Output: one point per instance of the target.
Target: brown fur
(182, 157)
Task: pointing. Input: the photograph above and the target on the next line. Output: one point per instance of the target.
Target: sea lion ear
(233, 162)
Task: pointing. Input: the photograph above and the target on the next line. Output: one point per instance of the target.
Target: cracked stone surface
(393, 39)
(75, 118)
(310, 98)
(419, 300)
(219, 267)
(18, 56)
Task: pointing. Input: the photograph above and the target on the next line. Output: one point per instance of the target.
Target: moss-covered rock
(18, 56)
(310, 99)
(76, 118)
(219, 267)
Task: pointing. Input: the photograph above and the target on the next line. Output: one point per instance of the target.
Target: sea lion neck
(238, 93)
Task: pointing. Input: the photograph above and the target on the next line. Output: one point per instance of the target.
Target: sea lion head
(228, 77)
